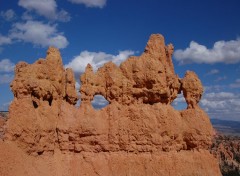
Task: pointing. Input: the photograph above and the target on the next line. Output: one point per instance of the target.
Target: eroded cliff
(138, 133)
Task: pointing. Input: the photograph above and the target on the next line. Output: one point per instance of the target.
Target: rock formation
(138, 133)
(2, 124)
(147, 79)
(192, 89)
(227, 150)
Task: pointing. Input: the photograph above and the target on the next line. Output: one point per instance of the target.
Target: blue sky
(205, 34)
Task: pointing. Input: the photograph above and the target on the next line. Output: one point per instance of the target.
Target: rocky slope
(138, 133)
(227, 150)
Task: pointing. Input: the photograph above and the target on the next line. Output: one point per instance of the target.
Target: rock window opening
(179, 103)
(99, 102)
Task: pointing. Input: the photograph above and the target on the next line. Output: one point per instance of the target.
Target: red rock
(192, 89)
(2, 124)
(138, 133)
(227, 150)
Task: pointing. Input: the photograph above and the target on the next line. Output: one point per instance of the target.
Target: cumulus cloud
(90, 3)
(6, 71)
(8, 15)
(6, 65)
(5, 40)
(222, 105)
(38, 33)
(222, 52)
(46, 8)
(96, 59)
(27, 16)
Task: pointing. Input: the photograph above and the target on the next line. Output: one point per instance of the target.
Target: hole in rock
(179, 103)
(99, 102)
(35, 105)
(50, 101)
(40, 153)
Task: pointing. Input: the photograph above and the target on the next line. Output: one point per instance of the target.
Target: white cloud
(8, 15)
(219, 95)
(179, 103)
(213, 72)
(224, 105)
(27, 16)
(63, 16)
(39, 34)
(222, 52)
(90, 3)
(179, 99)
(77, 85)
(219, 105)
(46, 8)
(6, 78)
(96, 59)
(215, 88)
(6, 65)
(236, 84)
(99, 102)
(5, 40)
(6, 71)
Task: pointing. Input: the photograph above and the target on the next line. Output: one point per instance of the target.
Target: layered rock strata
(138, 133)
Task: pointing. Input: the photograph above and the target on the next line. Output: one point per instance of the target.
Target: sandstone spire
(147, 79)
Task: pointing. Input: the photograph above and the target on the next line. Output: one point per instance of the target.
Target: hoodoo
(138, 133)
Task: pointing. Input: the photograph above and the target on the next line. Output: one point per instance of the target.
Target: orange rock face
(192, 89)
(147, 79)
(2, 124)
(138, 133)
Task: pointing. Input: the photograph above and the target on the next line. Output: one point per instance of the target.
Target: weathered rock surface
(192, 89)
(227, 150)
(45, 80)
(184, 163)
(2, 126)
(138, 133)
(147, 79)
